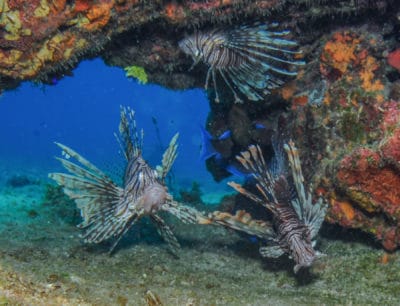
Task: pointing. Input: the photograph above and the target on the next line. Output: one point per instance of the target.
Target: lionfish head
(153, 197)
(303, 252)
(142, 184)
(189, 47)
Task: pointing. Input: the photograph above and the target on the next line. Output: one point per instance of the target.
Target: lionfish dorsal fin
(130, 140)
(169, 157)
(253, 161)
(312, 214)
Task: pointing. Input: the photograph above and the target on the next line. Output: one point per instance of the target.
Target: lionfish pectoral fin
(186, 214)
(67, 153)
(243, 222)
(315, 215)
(273, 251)
(126, 227)
(195, 62)
(94, 193)
(169, 156)
(296, 268)
(105, 225)
(167, 234)
(239, 188)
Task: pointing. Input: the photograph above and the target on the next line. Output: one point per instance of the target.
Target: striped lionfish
(296, 219)
(108, 210)
(250, 59)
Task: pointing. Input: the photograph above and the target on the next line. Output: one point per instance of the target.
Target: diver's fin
(207, 149)
(273, 251)
(243, 222)
(169, 156)
(165, 232)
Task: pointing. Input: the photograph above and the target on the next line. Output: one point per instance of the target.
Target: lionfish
(250, 59)
(296, 219)
(109, 210)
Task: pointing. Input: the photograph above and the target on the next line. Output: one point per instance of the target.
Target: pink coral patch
(394, 59)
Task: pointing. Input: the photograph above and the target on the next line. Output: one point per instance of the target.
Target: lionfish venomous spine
(109, 210)
(250, 59)
(296, 219)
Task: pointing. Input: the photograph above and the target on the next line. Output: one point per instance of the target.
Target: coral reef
(354, 135)
(42, 40)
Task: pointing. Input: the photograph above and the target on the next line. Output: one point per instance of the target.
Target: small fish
(216, 148)
(296, 219)
(109, 210)
(208, 149)
(250, 59)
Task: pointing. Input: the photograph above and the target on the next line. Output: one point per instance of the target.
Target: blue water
(83, 112)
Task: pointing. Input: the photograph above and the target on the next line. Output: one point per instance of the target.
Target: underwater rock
(43, 40)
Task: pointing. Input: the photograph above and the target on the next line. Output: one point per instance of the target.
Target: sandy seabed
(44, 262)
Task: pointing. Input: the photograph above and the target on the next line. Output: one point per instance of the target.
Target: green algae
(136, 72)
(4, 301)
(351, 127)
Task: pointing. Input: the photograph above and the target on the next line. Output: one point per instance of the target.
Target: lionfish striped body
(296, 219)
(250, 59)
(109, 210)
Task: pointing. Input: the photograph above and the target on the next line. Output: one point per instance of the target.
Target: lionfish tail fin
(169, 156)
(243, 222)
(131, 142)
(167, 234)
